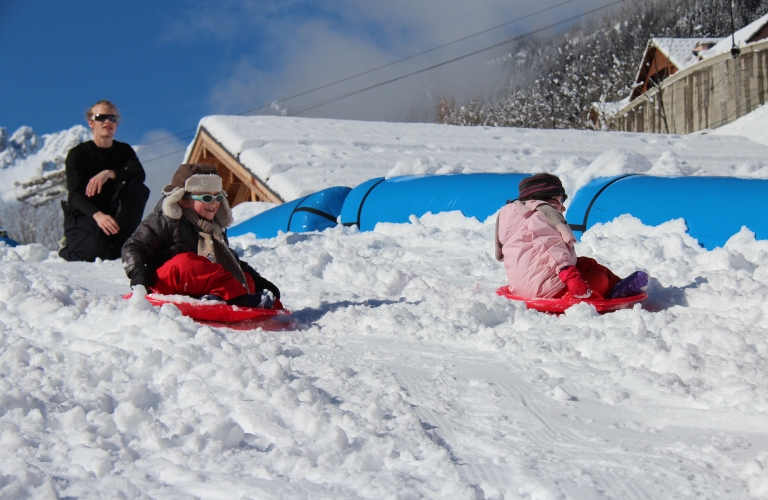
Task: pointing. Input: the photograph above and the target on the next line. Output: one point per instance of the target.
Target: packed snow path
(403, 376)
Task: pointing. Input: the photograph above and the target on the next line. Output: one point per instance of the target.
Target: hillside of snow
(401, 374)
(752, 126)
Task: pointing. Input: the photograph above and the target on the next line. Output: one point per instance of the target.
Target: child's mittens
(577, 287)
(264, 284)
(142, 275)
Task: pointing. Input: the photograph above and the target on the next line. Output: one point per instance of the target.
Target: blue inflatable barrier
(396, 199)
(313, 212)
(7, 240)
(714, 208)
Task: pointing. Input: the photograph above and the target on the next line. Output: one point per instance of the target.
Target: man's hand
(106, 222)
(97, 181)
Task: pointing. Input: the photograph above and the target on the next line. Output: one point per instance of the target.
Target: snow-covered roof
(299, 156)
(679, 51)
(740, 38)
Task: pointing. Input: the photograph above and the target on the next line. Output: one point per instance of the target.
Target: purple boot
(634, 284)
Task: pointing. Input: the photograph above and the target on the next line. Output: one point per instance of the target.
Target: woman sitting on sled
(181, 248)
(537, 248)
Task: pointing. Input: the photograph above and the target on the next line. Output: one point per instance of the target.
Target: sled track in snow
(557, 441)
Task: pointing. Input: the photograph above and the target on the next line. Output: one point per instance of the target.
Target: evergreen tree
(553, 82)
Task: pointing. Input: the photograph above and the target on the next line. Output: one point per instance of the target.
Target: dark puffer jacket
(160, 238)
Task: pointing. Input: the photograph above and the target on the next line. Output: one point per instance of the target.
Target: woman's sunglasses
(206, 198)
(103, 118)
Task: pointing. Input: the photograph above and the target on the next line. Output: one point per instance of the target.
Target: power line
(434, 66)
(347, 78)
(470, 54)
(409, 57)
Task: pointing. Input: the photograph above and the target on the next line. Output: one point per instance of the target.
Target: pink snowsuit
(533, 251)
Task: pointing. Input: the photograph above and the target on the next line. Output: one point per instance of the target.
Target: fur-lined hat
(195, 178)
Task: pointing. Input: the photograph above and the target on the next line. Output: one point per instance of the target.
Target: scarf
(210, 244)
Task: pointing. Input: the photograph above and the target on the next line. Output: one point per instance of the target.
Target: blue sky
(167, 64)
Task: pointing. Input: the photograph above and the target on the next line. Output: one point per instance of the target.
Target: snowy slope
(752, 126)
(402, 374)
(299, 156)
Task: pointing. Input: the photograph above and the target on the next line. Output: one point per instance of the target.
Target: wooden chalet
(238, 182)
(685, 85)
(663, 57)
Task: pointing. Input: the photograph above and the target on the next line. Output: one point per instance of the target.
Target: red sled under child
(219, 313)
(559, 305)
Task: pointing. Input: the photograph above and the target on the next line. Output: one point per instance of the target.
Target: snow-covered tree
(556, 80)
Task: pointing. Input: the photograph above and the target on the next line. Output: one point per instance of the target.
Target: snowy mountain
(402, 373)
(25, 155)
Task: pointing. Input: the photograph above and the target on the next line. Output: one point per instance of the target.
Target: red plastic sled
(559, 305)
(219, 313)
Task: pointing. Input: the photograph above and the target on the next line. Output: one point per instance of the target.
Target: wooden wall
(239, 184)
(707, 95)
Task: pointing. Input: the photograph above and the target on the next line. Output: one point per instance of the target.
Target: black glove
(264, 284)
(142, 275)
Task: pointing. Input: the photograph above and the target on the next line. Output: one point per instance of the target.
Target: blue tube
(9, 242)
(313, 212)
(396, 199)
(714, 208)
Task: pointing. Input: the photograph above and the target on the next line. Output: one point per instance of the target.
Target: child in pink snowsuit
(537, 248)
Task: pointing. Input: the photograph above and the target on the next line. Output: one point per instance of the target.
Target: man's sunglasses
(206, 198)
(103, 118)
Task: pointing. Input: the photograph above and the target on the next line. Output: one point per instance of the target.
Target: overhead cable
(347, 78)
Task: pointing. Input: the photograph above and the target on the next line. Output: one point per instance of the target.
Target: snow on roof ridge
(680, 50)
(740, 38)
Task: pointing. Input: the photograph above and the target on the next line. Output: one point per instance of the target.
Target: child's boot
(634, 284)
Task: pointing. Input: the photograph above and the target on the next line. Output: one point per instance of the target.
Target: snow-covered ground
(752, 126)
(401, 374)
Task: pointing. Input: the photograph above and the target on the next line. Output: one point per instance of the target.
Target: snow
(401, 374)
(299, 156)
(25, 155)
(751, 126)
(680, 50)
(248, 209)
(739, 38)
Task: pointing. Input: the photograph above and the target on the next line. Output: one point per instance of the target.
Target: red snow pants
(194, 275)
(599, 278)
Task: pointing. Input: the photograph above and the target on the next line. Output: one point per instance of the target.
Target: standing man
(106, 188)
